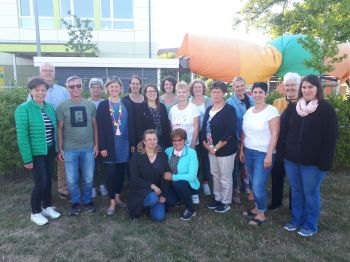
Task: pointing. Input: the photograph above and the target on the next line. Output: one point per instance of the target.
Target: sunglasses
(75, 86)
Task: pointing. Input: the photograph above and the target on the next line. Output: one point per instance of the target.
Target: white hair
(294, 77)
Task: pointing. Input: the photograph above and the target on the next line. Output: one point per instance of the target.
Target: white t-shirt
(184, 119)
(256, 128)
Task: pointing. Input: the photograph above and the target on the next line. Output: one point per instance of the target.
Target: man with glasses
(77, 144)
(56, 94)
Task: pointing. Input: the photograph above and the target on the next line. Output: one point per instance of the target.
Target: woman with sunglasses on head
(261, 125)
(148, 189)
(116, 134)
(153, 115)
(309, 131)
(37, 141)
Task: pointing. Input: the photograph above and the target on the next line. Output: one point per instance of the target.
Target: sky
(173, 18)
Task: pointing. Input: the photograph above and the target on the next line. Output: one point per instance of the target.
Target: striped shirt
(48, 128)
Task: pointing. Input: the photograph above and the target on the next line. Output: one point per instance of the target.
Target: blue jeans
(254, 162)
(72, 159)
(157, 209)
(305, 182)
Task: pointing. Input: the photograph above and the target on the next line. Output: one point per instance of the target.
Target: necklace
(116, 123)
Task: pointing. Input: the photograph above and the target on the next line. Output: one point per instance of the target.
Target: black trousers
(278, 173)
(115, 178)
(43, 166)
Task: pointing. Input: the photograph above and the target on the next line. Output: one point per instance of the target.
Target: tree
(326, 23)
(80, 36)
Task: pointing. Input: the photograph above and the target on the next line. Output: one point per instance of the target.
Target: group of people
(163, 142)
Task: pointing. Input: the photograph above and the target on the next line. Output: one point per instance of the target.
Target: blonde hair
(141, 146)
(183, 86)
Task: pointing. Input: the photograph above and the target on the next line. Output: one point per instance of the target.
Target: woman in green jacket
(36, 135)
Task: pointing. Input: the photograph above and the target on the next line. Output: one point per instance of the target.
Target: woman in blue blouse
(116, 136)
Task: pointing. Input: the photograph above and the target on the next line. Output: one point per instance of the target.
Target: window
(117, 14)
(84, 9)
(45, 13)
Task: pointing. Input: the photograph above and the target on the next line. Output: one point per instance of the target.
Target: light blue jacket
(187, 167)
(240, 109)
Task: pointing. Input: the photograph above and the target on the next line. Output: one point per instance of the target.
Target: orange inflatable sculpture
(225, 58)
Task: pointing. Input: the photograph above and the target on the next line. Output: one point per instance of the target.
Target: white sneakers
(195, 199)
(40, 219)
(103, 190)
(50, 212)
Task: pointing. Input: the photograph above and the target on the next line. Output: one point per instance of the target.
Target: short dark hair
(315, 81)
(261, 85)
(171, 79)
(219, 85)
(198, 81)
(37, 81)
(179, 132)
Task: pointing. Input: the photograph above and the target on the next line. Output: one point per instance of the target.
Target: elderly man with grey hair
(291, 82)
(56, 94)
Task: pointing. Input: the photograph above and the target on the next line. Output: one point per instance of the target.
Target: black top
(144, 121)
(143, 174)
(222, 129)
(106, 130)
(310, 140)
(133, 104)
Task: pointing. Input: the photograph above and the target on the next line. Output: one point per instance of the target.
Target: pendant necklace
(116, 123)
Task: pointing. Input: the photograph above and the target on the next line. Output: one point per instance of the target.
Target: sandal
(256, 222)
(249, 213)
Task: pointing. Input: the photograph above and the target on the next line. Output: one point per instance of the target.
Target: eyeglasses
(75, 86)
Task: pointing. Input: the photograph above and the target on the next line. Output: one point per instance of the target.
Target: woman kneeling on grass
(37, 135)
(261, 125)
(147, 185)
(184, 167)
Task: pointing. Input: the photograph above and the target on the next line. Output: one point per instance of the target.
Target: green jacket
(31, 136)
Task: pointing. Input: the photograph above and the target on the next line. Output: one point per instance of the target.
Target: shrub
(10, 161)
(342, 154)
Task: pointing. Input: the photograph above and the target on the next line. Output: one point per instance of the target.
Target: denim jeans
(254, 162)
(72, 159)
(42, 175)
(157, 209)
(237, 176)
(305, 182)
(180, 191)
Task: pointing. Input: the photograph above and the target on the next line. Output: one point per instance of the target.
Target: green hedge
(11, 163)
(10, 160)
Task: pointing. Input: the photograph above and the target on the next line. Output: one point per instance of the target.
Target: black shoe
(75, 209)
(222, 208)
(214, 204)
(187, 215)
(274, 207)
(90, 207)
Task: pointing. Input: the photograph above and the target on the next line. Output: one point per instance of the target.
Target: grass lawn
(208, 237)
